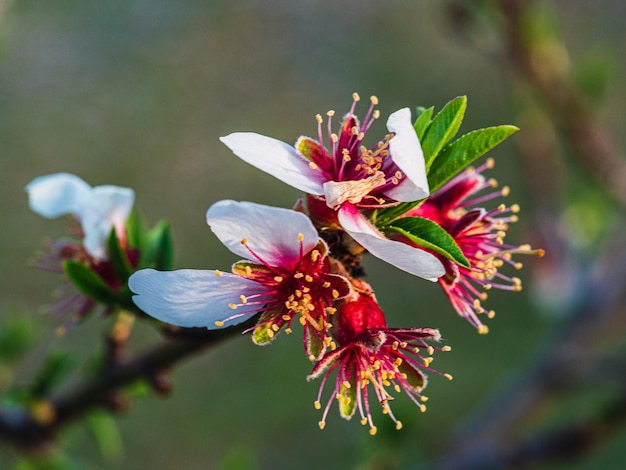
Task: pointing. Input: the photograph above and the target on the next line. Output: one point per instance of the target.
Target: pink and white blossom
(351, 178)
(99, 209)
(286, 275)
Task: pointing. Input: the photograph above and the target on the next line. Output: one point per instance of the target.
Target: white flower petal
(409, 259)
(406, 152)
(271, 232)
(57, 194)
(192, 298)
(276, 158)
(107, 207)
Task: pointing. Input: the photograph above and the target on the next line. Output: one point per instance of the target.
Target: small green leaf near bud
(455, 156)
(428, 234)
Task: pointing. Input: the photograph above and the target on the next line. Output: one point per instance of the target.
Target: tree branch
(31, 430)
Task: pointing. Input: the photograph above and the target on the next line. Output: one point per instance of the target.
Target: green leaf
(56, 366)
(159, 250)
(118, 258)
(443, 128)
(88, 282)
(428, 234)
(384, 217)
(463, 151)
(423, 121)
(16, 336)
(136, 228)
(106, 433)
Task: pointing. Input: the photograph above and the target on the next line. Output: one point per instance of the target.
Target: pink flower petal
(412, 260)
(406, 152)
(276, 158)
(192, 298)
(272, 233)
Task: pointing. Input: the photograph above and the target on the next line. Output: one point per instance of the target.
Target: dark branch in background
(26, 429)
(492, 438)
(569, 110)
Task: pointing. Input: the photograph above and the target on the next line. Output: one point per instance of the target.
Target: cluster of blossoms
(305, 264)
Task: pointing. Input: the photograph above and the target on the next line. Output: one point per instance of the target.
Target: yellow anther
(288, 331)
(490, 163)
(398, 425)
(302, 321)
(248, 271)
(398, 362)
(270, 334)
(326, 285)
(422, 408)
(448, 376)
(315, 254)
(275, 327)
(363, 421)
(483, 329)
(501, 207)
(376, 114)
(446, 348)
(317, 405)
(335, 294)
(318, 118)
(330, 310)
(354, 130)
(233, 306)
(219, 323)
(298, 275)
(374, 100)
(427, 361)
(300, 237)
(515, 208)
(430, 350)
(243, 299)
(43, 412)
(373, 431)
(308, 278)
(424, 398)
(395, 345)
(311, 357)
(330, 113)
(492, 182)
(346, 384)
(278, 278)
(334, 138)
(356, 97)
(218, 273)
(312, 165)
(491, 314)
(321, 424)
(244, 241)
(505, 191)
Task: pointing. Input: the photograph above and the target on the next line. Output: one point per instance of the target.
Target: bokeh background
(137, 92)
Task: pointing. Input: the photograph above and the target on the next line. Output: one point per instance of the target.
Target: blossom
(287, 275)
(98, 210)
(351, 178)
(371, 358)
(479, 233)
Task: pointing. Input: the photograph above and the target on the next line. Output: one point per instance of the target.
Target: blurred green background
(137, 92)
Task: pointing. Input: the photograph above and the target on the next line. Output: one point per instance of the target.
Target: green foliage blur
(136, 93)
